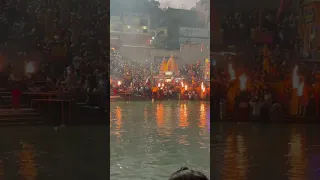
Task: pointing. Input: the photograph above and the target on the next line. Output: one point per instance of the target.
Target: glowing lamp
(119, 83)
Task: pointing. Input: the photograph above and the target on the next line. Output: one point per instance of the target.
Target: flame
(119, 83)
(186, 87)
(182, 84)
(295, 78)
(159, 84)
(243, 82)
(232, 72)
(203, 88)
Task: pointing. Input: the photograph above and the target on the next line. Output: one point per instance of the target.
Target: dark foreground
(36, 153)
(248, 151)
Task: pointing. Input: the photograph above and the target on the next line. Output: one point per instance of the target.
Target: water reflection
(242, 158)
(297, 158)
(202, 124)
(28, 170)
(159, 137)
(119, 118)
(235, 165)
(116, 121)
(145, 113)
(183, 115)
(159, 115)
(163, 119)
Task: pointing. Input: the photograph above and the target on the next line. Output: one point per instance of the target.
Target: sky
(177, 3)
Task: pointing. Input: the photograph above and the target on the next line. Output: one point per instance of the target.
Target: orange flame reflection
(297, 157)
(28, 169)
(183, 121)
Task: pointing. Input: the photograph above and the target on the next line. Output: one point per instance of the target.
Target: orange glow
(203, 88)
(229, 156)
(235, 158)
(119, 118)
(183, 121)
(159, 116)
(242, 157)
(163, 67)
(27, 162)
(297, 158)
(202, 124)
(118, 123)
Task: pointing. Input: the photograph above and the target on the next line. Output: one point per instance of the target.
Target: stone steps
(24, 116)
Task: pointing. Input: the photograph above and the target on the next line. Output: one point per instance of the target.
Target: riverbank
(141, 98)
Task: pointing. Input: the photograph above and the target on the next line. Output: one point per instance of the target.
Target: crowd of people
(270, 74)
(269, 60)
(238, 27)
(68, 38)
(138, 78)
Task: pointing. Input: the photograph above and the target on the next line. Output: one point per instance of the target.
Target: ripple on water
(158, 138)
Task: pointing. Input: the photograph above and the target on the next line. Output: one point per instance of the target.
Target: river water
(263, 151)
(36, 153)
(151, 140)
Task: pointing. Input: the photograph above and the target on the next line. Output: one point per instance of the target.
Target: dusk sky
(177, 3)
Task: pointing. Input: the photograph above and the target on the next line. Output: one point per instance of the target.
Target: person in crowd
(256, 104)
(15, 81)
(187, 174)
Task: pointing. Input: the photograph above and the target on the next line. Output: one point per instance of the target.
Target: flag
(202, 46)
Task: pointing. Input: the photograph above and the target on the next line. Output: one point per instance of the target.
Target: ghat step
(20, 117)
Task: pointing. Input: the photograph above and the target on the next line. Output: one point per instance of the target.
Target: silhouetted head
(187, 174)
